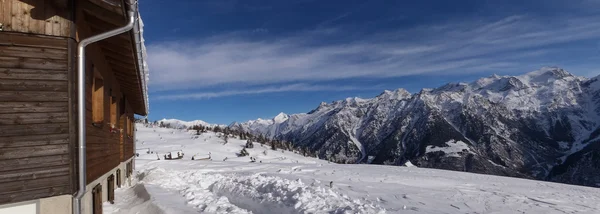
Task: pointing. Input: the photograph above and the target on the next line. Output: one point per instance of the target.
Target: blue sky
(235, 60)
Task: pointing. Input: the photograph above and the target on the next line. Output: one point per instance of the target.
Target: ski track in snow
(290, 183)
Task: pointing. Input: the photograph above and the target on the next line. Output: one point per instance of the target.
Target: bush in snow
(243, 153)
(249, 144)
(226, 139)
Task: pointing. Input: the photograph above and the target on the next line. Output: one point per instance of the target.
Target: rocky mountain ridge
(544, 125)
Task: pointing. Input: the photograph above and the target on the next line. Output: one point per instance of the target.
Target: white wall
(51, 205)
(63, 204)
(30, 207)
(87, 200)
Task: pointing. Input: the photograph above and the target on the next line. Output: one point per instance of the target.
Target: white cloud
(453, 48)
(272, 89)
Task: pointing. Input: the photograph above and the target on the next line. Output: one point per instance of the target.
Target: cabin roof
(127, 59)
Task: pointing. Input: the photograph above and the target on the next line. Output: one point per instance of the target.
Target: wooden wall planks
(34, 123)
(36, 16)
(103, 146)
(38, 103)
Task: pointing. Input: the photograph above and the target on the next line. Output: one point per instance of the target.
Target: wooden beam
(37, 174)
(33, 63)
(128, 90)
(120, 64)
(124, 78)
(32, 107)
(34, 140)
(33, 85)
(123, 74)
(116, 50)
(32, 74)
(30, 40)
(117, 54)
(117, 7)
(20, 185)
(33, 118)
(124, 81)
(102, 13)
(33, 96)
(38, 129)
(35, 193)
(125, 45)
(31, 52)
(34, 151)
(34, 162)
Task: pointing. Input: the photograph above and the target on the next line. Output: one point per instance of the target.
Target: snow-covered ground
(290, 183)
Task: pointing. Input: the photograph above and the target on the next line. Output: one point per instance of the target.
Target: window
(128, 169)
(122, 105)
(97, 199)
(118, 178)
(111, 189)
(113, 111)
(98, 99)
(129, 126)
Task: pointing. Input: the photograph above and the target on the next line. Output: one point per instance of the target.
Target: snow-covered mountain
(175, 123)
(544, 124)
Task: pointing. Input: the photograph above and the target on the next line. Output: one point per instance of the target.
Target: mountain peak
(280, 117)
(546, 73)
(353, 100)
(542, 76)
(397, 94)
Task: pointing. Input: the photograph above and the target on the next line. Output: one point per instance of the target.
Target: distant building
(39, 103)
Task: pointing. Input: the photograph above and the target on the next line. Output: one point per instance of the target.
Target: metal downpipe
(81, 99)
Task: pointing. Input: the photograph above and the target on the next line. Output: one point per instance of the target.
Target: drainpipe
(81, 97)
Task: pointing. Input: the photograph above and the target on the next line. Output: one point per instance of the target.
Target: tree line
(274, 144)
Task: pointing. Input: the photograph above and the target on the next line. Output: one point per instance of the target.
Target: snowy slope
(521, 126)
(175, 123)
(290, 183)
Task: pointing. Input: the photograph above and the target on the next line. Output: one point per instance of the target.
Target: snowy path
(290, 183)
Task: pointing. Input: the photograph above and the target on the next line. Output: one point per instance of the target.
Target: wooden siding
(118, 51)
(38, 98)
(47, 17)
(35, 150)
(106, 147)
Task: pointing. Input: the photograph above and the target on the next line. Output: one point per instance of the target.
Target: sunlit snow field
(286, 182)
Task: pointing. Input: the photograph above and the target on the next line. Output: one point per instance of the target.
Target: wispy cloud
(452, 48)
(270, 89)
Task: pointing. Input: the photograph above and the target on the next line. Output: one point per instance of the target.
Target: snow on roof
(144, 72)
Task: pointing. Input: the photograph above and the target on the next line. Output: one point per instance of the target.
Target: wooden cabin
(38, 103)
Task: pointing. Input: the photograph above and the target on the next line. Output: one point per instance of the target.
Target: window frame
(118, 175)
(113, 103)
(110, 188)
(98, 98)
(97, 199)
